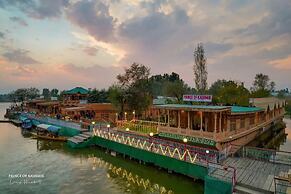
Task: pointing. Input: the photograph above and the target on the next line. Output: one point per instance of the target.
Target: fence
(168, 148)
(282, 185)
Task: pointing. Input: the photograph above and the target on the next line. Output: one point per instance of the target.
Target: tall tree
(177, 89)
(200, 70)
(262, 86)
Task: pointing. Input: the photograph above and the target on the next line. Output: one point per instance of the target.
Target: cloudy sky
(65, 43)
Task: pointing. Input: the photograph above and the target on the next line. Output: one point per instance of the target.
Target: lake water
(35, 166)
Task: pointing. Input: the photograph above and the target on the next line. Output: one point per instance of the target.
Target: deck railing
(268, 155)
(189, 153)
(145, 127)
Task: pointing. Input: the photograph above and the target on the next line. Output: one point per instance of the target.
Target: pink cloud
(284, 63)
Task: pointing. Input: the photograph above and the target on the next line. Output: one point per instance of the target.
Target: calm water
(58, 169)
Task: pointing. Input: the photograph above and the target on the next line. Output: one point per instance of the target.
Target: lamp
(151, 134)
(185, 140)
(127, 129)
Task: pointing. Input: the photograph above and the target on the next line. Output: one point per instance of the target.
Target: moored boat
(48, 132)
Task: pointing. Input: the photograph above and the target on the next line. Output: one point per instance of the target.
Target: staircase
(82, 137)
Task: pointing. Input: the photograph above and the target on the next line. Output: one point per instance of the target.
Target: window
(242, 123)
(252, 120)
(233, 125)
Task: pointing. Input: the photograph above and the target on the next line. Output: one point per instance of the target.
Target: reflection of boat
(48, 132)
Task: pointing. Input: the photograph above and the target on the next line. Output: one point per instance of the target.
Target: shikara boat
(48, 132)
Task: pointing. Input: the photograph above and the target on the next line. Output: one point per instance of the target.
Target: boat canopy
(53, 129)
(50, 128)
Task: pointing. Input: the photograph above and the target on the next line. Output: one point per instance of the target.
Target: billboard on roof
(197, 98)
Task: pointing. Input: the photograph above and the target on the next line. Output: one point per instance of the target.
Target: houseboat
(218, 126)
(48, 132)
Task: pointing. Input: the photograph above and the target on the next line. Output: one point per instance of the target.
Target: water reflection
(131, 180)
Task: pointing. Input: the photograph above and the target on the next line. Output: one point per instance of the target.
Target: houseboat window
(252, 120)
(242, 123)
(233, 125)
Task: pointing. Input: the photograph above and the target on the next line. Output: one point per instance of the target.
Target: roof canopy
(210, 108)
(50, 128)
(77, 90)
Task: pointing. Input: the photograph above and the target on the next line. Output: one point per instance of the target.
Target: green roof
(189, 106)
(77, 90)
(234, 109)
(243, 109)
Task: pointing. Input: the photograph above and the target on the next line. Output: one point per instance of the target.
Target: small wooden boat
(48, 132)
(46, 137)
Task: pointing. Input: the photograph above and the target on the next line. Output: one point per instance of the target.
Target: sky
(67, 43)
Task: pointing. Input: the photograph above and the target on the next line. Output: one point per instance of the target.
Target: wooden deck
(257, 175)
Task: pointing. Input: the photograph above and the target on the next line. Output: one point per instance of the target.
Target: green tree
(22, 94)
(132, 89)
(262, 86)
(46, 93)
(96, 96)
(117, 96)
(54, 92)
(200, 70)
(177, 89)
(229, 92)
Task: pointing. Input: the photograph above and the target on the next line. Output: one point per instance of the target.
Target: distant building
(75, 96)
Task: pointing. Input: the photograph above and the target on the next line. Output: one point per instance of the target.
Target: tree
(117, 96)
(96, 96)
(46, 93)
(262, 86)
(161, 84)
(200, 71)
(54, 92)
(132, 88)
(229, 92)
(177, 89)
(24, 94)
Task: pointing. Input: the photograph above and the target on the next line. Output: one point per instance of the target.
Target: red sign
(197, 98)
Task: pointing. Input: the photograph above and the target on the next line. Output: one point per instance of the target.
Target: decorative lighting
(127, 129)
(151, 134)
(108, 126)
(230, 137)
(93, 122)
(207, 151)
(133, 112)
(125, 113)
(185, 140)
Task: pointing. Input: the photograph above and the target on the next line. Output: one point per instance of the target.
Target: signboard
(197, 98)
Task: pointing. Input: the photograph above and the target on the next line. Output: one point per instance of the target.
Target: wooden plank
(268, 182)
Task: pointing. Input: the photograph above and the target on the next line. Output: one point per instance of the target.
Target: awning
(50, 128)
(53, 129)
(43, 126)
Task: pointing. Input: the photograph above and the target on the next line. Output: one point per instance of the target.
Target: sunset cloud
(88, 41)
(282, 63)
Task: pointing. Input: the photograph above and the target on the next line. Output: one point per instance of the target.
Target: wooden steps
(80, 138)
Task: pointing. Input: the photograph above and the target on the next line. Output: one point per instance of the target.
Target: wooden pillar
(179, 119)
(201, 120)
(219, 130)
(168, 111)
(158, 117)
(188, 119)
(215, 122)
